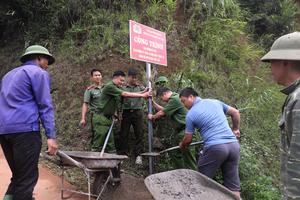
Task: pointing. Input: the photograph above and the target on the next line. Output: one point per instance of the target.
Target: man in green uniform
(161, 82)
(109, 99)
(91, 101)
(132, 115)
(284, 57)
(175, 110)
(162, 127)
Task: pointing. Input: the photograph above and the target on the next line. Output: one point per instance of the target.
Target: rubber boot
(8, 197)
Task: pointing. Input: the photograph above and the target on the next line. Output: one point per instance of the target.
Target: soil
(48, 186)
(131, 188)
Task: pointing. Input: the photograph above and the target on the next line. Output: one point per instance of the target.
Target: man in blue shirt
(221, 147)
(25, 101)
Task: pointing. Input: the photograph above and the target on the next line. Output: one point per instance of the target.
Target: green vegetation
(216, 44)
(269, 19)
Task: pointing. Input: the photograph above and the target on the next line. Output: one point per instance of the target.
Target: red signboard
(147, 44)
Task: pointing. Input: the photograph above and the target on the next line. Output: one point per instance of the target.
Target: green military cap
(287, 47)
(132, 72)
(37, 49)
(161, 79)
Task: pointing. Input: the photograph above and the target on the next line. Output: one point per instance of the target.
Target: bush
(270, 19)
(223, 63)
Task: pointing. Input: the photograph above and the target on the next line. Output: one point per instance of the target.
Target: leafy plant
(221, 8)
(270, 19)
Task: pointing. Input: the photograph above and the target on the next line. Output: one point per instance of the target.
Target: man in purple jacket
(25, 101)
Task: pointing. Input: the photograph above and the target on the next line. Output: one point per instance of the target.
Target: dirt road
(47, 188)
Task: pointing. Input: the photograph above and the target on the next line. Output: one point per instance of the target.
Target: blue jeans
(22, 151)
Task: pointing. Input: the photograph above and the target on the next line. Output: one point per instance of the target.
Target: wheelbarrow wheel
(100, 178)
(116, 172)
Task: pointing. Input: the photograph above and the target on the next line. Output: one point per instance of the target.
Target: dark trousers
(134, 118)
(22, 151)
(224, 156)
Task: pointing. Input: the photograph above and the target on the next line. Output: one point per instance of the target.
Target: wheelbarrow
(90, 162)
(185, 184)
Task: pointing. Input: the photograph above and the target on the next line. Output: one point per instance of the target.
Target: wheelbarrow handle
(67, 157)
(177, 147)
(44, 155)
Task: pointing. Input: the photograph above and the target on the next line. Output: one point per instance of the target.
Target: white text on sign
(148, 43)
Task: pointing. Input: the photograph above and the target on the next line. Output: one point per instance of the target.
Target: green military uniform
(161, 81)
(175, 110)
(162, 127)
(132, 115)
(102, 119)
(92, 98)
(287, 48)
(290, 142)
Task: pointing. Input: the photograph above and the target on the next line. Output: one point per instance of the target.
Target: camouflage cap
(161, 79)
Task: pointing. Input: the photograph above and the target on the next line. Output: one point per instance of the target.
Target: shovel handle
(177, 147)
(106, 139)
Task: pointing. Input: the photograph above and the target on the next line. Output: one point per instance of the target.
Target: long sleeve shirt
(25, 100)
(290, 141)
(133, 103)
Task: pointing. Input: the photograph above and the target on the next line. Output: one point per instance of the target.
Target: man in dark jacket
(25, 101)
(284, 57)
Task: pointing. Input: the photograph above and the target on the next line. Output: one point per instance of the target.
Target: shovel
(154, 154)
(107, 137)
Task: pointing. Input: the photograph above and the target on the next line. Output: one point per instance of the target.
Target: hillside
(216, 45)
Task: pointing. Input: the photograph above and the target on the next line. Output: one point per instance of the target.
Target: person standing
(132, 116)
(284, 58)
(91, 102)
(163, 127)
(221, 148)
(108, 104)
(175, 110)
(25, 101)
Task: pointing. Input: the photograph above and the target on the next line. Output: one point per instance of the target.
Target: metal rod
(109, 178)
(177, 147)
(89, 184)
(107, 137)
(79, 192)
(150, 125)
(62, 182)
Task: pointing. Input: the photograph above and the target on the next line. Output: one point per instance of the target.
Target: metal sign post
(149, 45)
(150, 125)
